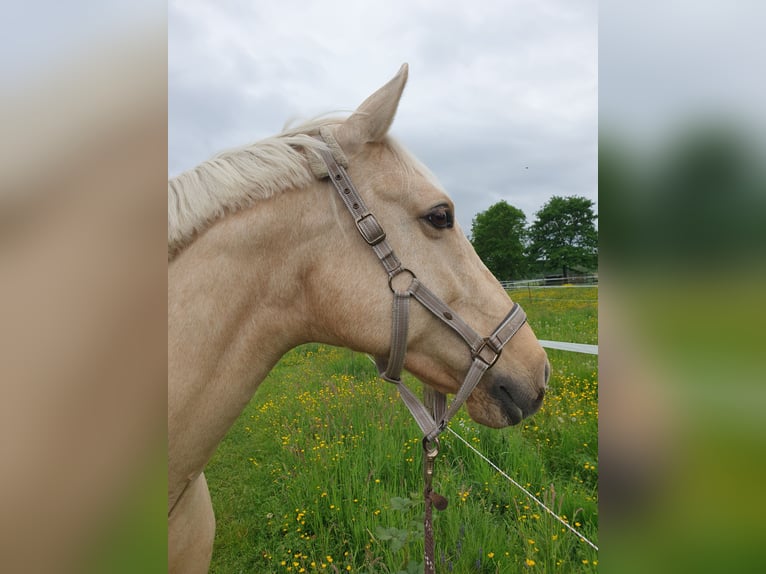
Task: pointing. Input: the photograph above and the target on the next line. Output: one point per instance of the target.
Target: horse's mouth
(515, 409)
(510, 409)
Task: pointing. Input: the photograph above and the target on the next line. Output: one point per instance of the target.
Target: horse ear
(371, 120)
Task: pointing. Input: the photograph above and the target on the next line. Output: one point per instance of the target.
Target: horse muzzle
(514, 398)
(516, 405)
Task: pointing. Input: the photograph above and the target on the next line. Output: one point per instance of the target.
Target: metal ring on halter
(396, 274)
(431, 446)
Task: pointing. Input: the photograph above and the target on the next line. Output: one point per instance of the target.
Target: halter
(485, 351)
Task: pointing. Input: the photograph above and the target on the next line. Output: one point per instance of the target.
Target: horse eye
(441, 217)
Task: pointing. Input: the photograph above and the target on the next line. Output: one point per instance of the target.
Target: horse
(263, 257)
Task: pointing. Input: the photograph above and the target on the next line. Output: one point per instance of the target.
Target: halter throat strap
(485, 351)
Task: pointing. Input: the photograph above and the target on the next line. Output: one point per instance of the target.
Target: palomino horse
(263, 257)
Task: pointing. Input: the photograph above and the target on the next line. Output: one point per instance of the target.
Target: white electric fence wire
(529, 494)
(594, 301)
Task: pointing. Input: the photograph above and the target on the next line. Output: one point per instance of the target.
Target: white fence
(557, 283)
(547, 282)
(574, 347)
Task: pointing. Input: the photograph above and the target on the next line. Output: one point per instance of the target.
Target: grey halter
(484, 350)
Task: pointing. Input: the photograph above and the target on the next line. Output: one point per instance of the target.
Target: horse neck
(235, 306)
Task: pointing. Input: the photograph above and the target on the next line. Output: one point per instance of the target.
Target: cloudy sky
(663, 65)
(501, 102)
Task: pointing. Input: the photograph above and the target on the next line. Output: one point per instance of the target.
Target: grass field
(322, 471)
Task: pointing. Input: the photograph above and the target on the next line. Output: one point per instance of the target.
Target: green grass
(322, 471)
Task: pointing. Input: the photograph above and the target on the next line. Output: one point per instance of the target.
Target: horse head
(350, 296)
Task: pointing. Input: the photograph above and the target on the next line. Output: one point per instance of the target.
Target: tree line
(561, 241)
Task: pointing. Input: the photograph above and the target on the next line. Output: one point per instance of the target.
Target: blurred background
(682, 191)
(83, 353)
(682, 196)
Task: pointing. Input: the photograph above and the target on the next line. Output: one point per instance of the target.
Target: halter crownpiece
(484, 350)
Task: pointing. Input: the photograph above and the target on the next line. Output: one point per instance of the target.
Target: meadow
(322, 471)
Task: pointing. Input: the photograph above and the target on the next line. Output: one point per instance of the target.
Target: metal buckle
(370, 229)
(486, 344)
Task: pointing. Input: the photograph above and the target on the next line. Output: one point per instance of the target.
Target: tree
(497, 236)
(564, 236)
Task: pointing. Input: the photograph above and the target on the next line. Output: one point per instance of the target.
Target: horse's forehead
(399, 175)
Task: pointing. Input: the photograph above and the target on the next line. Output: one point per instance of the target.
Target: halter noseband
(484, 350)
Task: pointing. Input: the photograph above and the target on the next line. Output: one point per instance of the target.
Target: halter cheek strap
(484, 350)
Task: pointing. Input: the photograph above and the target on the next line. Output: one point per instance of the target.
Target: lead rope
(435, 402)
(430, 450)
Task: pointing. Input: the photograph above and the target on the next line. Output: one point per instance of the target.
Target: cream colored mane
(234, 179)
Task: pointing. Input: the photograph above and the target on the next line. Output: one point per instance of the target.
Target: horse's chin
(503, 403)
(495, 414)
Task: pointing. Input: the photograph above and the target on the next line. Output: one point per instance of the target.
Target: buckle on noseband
(486, 344)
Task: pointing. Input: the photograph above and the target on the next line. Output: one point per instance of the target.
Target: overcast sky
(501, 101)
